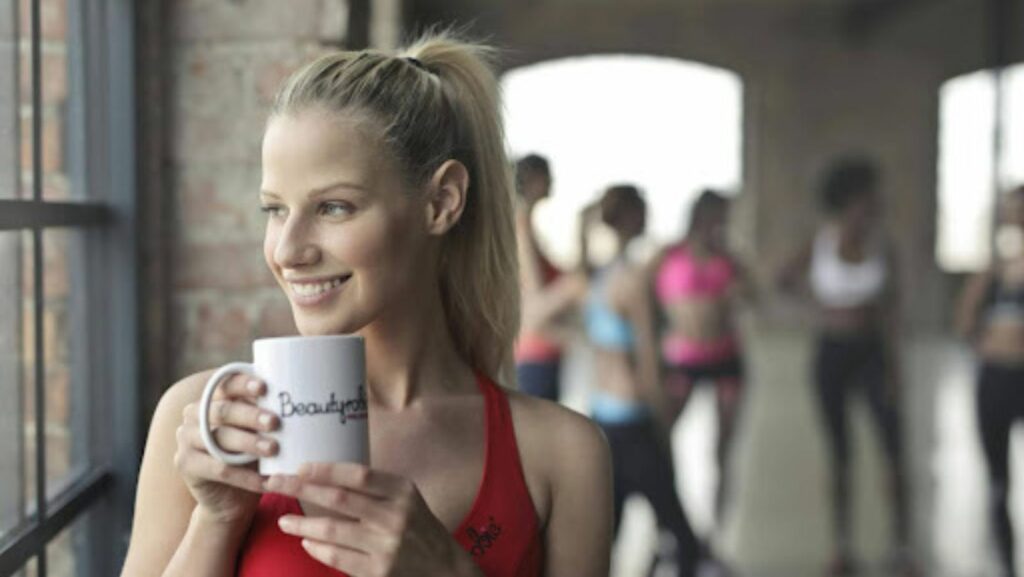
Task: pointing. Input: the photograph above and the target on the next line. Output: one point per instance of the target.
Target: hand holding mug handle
(204, 414)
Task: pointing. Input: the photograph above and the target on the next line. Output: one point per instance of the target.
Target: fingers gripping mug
(317, 387)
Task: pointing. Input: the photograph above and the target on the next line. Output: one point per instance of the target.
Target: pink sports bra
(681, 276)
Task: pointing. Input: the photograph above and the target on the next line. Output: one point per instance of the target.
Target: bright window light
(669, 126)
(966, 200)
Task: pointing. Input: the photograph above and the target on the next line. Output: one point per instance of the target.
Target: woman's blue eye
(335, 209)
(271, 210)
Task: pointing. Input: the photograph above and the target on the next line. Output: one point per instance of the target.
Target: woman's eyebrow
(344, 184)
(355, 187)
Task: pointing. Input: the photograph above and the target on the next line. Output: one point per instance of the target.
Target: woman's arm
(542, 303)
(746, 285)
(578, 533)
(542, 308)
(530, 280)
(794, 271)
(170, 535)
(965, 319)
(589, 216)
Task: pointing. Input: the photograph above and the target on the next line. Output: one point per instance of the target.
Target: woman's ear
(446, 196)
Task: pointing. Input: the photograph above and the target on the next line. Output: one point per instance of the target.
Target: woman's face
(536, 186)
(715, 229)
(634, 222)
(861, 213)
(344, 237)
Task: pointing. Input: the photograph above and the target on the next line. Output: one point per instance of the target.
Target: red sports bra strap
(502, 449)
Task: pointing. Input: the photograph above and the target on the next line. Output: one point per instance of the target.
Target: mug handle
(204, 414)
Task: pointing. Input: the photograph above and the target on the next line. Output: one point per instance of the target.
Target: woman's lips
(315, 292)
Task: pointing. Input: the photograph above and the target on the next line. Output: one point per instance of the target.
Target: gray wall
(814, 88)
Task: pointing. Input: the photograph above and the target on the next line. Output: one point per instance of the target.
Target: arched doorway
(668, 125)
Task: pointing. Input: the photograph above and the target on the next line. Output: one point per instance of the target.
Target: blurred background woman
(991, 316)
(547, 293)
(626, 401)
(850, 267)
(697, 284)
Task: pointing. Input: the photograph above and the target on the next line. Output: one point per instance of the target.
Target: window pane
(67, 431)
(27, 370)
(31, 569)
(1013, 130)
(57, 108)
(12, 423)
(966, 201)
(8, 100)
(23, 109)
(966, 161)
(66, 427)
(67, 554)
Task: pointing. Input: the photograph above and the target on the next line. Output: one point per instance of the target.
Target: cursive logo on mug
(345, 409)
(484, 538)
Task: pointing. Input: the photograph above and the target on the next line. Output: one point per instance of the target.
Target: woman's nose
(295, 247)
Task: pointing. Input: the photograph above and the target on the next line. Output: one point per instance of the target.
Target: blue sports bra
(606, 328)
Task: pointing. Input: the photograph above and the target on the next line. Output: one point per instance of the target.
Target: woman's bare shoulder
(560, 448)
(187, 390)
(544, 419)
(557, 446)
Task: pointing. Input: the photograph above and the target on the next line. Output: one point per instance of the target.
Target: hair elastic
(417, 63)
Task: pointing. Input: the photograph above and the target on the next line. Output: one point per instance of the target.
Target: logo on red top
(483, 537)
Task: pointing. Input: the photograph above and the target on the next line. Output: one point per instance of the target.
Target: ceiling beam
(862, 18)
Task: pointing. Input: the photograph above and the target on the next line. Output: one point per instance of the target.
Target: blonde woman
(386, 175)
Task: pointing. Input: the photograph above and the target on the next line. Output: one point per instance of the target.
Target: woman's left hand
(385, 527)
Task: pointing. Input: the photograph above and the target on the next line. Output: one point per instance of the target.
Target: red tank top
(501, 530)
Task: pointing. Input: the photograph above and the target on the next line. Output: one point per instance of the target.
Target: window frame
(101, 160)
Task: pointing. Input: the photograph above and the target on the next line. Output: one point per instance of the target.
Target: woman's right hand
(227, 493)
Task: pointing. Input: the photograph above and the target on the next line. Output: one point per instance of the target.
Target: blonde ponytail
(439, 100)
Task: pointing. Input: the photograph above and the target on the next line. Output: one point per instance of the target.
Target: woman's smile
(316, 291)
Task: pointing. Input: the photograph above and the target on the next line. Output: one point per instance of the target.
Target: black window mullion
(23, 214)
(36, 65)
(40, 386)
(37, 271)
(84, 493)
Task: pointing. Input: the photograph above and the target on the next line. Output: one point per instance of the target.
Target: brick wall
(226, 61)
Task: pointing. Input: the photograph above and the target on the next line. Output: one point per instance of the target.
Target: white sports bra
(839, 284)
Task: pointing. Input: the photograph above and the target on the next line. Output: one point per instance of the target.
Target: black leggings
(842, 365)
(540, 378)
(727, 378)
(640, 464)
(1000, 404)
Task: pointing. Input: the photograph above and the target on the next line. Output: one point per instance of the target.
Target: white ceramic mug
(317, 387)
